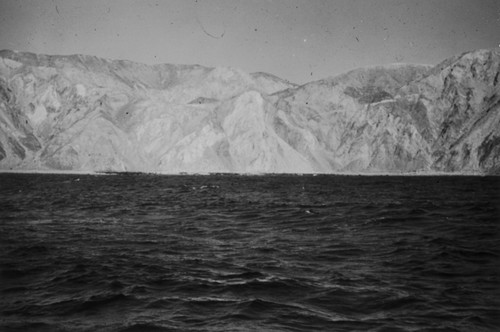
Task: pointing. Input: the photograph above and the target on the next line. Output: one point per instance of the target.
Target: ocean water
(249, 253)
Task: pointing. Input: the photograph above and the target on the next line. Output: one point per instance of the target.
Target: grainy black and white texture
(249, 253)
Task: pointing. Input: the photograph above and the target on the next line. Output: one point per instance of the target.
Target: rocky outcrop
(90, 114)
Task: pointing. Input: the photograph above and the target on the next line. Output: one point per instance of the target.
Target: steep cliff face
(457, 108)
(87, 113)
(357, 121)
(92, 114)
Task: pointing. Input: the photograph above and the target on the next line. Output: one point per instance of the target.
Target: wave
(240, 253)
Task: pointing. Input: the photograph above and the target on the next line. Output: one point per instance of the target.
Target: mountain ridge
(84, 113)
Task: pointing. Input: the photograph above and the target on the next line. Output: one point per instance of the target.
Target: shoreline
(47, 171)
(82, 172)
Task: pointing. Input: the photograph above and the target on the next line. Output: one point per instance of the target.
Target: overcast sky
(299, 40)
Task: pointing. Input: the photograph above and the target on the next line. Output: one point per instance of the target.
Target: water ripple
(240, 253)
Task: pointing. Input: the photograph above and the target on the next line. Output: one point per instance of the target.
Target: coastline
(88, 172)
(48, 171)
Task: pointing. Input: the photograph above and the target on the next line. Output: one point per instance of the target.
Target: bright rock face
(84, 113)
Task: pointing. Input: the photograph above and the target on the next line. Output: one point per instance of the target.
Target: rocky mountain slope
(89, 114)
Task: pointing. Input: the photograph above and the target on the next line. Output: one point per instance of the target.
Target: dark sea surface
(249, 253)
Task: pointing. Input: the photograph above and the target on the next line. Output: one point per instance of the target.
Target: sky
(298, 40)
